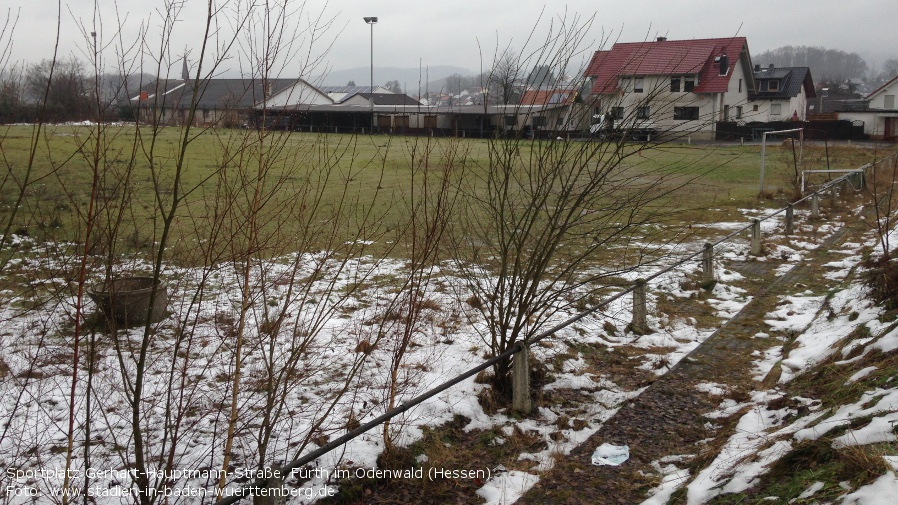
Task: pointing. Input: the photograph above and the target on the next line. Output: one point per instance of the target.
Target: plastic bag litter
(612, 455)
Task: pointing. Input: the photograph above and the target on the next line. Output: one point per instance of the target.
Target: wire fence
(286, 469)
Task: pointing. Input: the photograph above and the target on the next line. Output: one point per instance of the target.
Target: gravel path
(668, 417)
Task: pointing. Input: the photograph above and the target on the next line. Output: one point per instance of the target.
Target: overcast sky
(464, 32)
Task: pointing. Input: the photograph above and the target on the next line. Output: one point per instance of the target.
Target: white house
(675, 85)
(879, 113)
(782, 94)
(299, 92)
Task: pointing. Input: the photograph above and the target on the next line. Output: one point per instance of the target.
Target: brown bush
(881, 278)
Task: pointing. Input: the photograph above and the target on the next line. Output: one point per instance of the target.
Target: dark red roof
(548, 96)
(667, 57)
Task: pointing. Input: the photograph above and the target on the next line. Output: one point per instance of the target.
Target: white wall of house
(777, 110)
(882, 107)
(874, 121)
(667, 108)
(885, 98)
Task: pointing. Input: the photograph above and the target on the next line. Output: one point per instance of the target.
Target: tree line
(840, 71)
(63, 90)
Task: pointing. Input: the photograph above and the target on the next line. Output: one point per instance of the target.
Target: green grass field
(311, 186)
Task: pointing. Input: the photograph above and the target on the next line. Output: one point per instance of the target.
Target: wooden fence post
(520, 381)
(790, 219)
(815, 205)
(755, 237)
(638, 325)
(708, 263)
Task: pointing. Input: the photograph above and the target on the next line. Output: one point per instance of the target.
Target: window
(738, 112)
(643, 112)
(559, 122)
(776, 109)
(754, 108)
(511, 121)
(689, 83)
(539, 121)
(597, 110)
(740, 85)
(617, 113)
(674, 84)
(773, 85)
(726, 112)
(685, 113)
(637, 85)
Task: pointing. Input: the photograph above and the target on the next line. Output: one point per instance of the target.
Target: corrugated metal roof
(387, 99)
(349, 90)
(667, 57)
(213, 93)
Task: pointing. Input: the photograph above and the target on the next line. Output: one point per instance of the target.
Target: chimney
(757, 67)
(662, 39)
(771, 66)
(724, 64)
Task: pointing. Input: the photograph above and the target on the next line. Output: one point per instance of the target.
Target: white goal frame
(764, 150)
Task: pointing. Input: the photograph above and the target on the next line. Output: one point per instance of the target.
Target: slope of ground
(793, 400)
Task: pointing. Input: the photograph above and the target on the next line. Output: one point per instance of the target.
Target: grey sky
(440, 32)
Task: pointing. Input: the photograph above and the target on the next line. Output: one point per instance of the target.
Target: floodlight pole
(372, 20)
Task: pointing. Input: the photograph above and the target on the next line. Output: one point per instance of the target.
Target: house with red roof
(677, 86)
(553, 108)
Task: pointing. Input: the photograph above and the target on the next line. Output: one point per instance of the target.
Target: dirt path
(668, 417)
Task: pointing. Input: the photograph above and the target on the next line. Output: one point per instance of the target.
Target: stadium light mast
(372, 20)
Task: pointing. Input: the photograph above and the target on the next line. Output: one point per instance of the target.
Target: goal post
(764, 150)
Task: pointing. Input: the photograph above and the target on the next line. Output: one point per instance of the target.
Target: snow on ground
(763, 434)
(341, 321)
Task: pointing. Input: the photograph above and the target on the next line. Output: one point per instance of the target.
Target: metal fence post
(790, 219)
(755, 237)
(638, 325)
(520, 381)
(708, 263)
(815, 205)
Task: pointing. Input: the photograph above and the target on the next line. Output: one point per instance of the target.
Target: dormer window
(773, 85)
(689, 82)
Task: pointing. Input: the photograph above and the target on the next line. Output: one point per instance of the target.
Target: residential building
(878, 111)
(676, 86)
(783, 94)
(554, 108)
